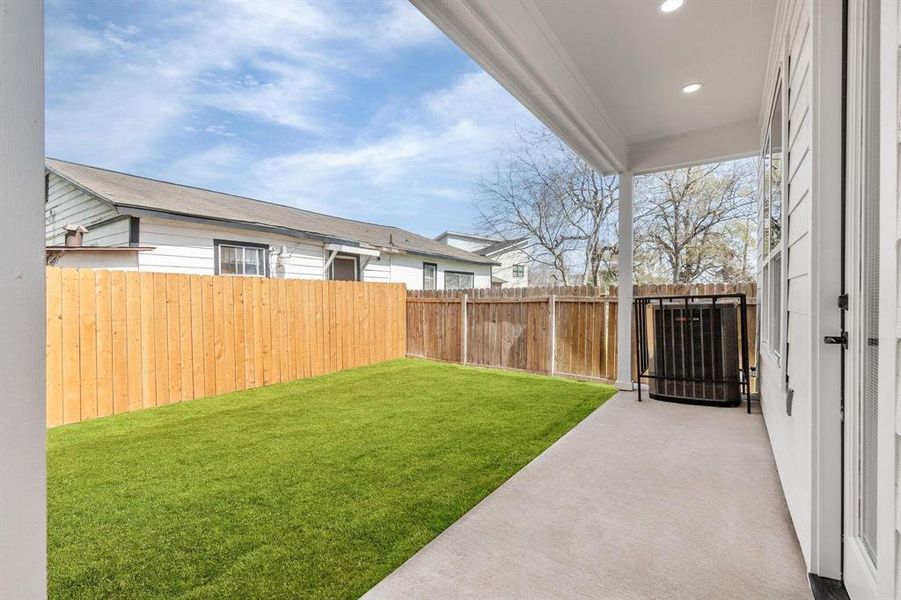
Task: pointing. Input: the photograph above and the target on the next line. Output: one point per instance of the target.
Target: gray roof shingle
(133, 192)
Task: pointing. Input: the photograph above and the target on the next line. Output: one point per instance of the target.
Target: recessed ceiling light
(668, 6)
(691, 88)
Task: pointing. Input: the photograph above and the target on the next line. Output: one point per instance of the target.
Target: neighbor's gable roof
(493, 245)
(140, 196)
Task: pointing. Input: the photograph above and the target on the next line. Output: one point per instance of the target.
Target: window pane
(241, 260)
(252, 261)
(228, 260)
(429, 276)
(776, 303)
(765, 217)
(344, 269)
(457, 281)
(776, 172)
(765, 306)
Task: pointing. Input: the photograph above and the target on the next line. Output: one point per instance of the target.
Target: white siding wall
(790, 436)
(180, 247)
(188, 248)
(505, 269)
(378, 269)
(465, 243)
(114, 233)
(68, 204)
(407, 269)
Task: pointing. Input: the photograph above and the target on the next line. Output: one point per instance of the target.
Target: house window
(519, 271)
(429, 276)
(344, 268)
(240, 258)
(772, 267)
(775, 299)
(457, 280)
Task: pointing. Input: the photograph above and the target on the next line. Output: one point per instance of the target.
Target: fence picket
(562, 330)
(121, 341)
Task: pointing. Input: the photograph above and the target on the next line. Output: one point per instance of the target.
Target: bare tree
(694, 224)
(542, 191)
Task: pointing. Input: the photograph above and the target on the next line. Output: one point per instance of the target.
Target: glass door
(862, 286)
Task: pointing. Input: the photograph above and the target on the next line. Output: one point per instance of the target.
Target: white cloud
(437, 150)
(151, 79)
(401, 26)
(178, 94)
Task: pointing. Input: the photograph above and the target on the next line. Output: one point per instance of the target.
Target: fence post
(464, 337)
(552, 317)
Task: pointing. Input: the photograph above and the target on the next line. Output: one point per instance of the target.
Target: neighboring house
(135, 223)
(512, 269)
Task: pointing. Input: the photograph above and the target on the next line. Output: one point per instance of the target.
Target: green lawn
(317, 488)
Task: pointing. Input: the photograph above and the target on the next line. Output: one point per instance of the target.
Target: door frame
(889, 321)
(862, 577)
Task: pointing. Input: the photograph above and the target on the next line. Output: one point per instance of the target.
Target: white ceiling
(607, 75)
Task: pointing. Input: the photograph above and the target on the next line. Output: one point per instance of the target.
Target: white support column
(23, 481)
(624, 296)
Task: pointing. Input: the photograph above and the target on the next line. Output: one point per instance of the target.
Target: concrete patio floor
(640, 500)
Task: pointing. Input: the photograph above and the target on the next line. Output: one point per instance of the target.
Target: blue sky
(359, 109)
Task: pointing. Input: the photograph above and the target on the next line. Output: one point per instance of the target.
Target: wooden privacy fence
(121, 341)
(555, 334)
(554, 330)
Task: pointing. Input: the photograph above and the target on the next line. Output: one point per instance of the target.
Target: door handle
(837, 339)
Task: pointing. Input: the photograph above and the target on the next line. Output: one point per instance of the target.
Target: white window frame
(522, 271)
(774, 310)
(262, 249)
(425, 267)
(356, 261)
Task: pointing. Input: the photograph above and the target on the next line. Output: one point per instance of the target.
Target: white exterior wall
(68, 204)
(468, 243)
(114, 233)
(505, 269)
(506, 260)
(790, 435)
(407, 269)
(184, 247)
(188, 248)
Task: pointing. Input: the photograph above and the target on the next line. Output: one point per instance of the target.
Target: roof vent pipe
(75, 235)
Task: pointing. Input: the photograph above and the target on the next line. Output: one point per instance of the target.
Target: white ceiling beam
(514, 44)
(703, 146)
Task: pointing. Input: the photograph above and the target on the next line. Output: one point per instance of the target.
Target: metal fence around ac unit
(694, 348)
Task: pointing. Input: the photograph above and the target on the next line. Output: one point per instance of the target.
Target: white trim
(23, 496)
(826, 427)
(702, 146)
(358, 272)
(328, 262)
(624, 289)
(343, 249)
(498, 47)
(890, 233)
